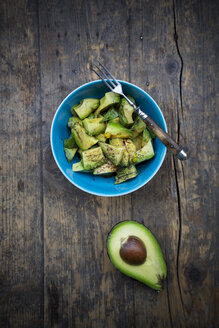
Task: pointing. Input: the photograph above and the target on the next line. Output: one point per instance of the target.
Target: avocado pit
(133, 250)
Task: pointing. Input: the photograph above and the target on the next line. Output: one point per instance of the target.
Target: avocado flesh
(126, 112)
(138, 142)
(110, 115)
(86, 107)
(78, 167)
(101, 137)
(138, 127)
(145, 153)
(145, 137)
(106, 168)
(114, 154)
(70, 142)
(153, 270)
(82, 139)
(72, 120)
(70, 153)
(93, 126)
(126, 173)
(108, 100)
(116, 130)
(93, 158)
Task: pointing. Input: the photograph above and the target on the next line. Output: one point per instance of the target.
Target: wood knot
(194, 274)
(171, 67)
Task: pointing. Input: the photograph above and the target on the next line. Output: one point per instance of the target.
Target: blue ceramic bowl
(99, 185)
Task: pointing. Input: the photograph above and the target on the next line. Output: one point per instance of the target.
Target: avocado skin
(158, 287)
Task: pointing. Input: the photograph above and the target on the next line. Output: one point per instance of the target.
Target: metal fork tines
(112, 83)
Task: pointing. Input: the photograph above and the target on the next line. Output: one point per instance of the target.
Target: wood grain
(54, 269)
(152, 54)
(21, 237)
(76, 224)
(197, 179)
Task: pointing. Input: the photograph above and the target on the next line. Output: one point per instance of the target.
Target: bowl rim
(93, 192)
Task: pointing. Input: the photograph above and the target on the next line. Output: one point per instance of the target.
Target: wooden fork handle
(166, 139)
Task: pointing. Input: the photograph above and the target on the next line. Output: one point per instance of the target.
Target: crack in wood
(41, 161)
(180, 231)
(174, 160)
(181, 68)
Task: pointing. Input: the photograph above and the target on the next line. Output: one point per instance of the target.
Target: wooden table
(54, 268)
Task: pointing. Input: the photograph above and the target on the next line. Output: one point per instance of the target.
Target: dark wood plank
(82, 288)
(196, 27)
(21, 245)
(155, 67)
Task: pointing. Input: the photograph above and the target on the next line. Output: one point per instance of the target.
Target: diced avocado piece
(138, 126)
(145, 137)
(106, 168)
(138, 142)
(115, 120)
(110, 98)
(70, 142)
(110, 115)
(114, 154)
(101, 137)
(93, 158)
(131, 149)
(116, 130)
(125, 159)
(126, 173)
(117, 142)
(70, 153)
(92, 115)
(126, 111)
(86, 107)
(72, 120)
(145, 153)
(83, 140)
(73, 111)
(78, 167)
(93, 126)
(134, 250)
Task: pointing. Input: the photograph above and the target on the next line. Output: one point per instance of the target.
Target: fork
(114, 85)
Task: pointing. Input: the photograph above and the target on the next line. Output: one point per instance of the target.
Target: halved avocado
(133, 250)
(108, 100)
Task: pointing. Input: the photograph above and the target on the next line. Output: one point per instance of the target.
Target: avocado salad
(108, 138)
